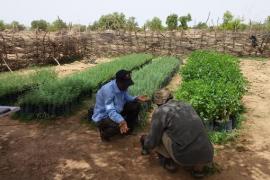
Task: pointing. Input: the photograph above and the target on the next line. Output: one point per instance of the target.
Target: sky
(87, 11)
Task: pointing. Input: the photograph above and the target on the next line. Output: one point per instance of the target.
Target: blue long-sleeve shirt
(110, 101)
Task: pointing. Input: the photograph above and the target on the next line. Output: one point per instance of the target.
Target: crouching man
(178, 136)
(116, 112)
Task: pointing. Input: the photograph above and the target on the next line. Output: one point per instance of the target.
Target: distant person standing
(116, 112)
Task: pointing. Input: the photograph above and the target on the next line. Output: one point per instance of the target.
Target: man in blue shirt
(116, 112)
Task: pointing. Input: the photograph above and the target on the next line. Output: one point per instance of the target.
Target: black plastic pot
(209, 125)
(223, 125)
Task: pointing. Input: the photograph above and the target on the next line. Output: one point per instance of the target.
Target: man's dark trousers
(109, 128)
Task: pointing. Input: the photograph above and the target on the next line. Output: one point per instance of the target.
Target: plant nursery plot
(214, 85)
(154, 76)
(15, 84)
(151, 78)
(60, 96)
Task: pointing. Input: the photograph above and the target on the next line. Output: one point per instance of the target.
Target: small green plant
(222, 137)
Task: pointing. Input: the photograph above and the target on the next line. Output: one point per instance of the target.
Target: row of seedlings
(61, 96)
(15, 84)
(151, 78)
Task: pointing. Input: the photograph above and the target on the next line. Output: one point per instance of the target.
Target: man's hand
(143, 98)
(123, 127)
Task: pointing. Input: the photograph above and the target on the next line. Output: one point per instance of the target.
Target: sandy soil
(76, 66)
(69, 149)
(66, 69)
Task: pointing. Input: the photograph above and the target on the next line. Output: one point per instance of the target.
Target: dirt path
(249, 157)
(70, 149)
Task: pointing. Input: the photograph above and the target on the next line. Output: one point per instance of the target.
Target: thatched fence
(24, 49)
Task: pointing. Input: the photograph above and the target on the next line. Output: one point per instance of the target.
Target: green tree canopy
(227, 17)
(40, 24)
(112, 21)
(231, 23)
(172, 21)
(58, 24)
(154, 25)
(184, 21)
(131, 24)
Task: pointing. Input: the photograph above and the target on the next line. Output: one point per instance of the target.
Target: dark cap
(124, 76)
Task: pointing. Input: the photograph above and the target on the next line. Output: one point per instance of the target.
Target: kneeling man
(116, 112)
(178, 136)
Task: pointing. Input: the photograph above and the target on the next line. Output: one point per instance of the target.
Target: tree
(172, 21)
(112, 21)
(184, 21)
(231, 23)
(227, 17)
(154, 25)
(2, 25)
(40, 25)
(58, 24)
(131, 24)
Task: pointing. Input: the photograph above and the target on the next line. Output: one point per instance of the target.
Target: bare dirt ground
(76, 66)
(66, 69)
(69, 149)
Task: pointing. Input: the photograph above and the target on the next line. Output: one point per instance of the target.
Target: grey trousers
(165, 148)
